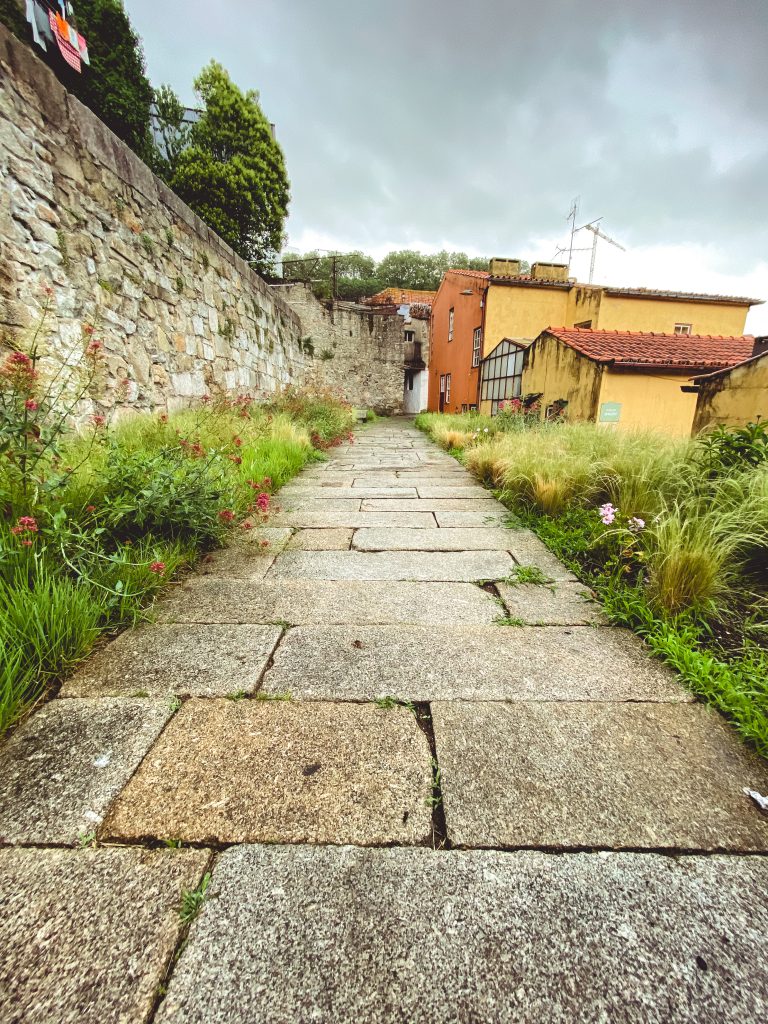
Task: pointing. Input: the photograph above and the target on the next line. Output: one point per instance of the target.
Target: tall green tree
(12, 16)
(232, 173)
(172, 131)
(115, 86)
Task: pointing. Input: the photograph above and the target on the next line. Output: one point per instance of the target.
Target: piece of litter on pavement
(102, 760)
(760, 800)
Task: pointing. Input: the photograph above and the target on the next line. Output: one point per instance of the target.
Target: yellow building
(735, 396)
(625, 380)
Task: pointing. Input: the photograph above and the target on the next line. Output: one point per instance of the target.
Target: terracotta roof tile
(400, 296)
(482, 274)
(648, 349)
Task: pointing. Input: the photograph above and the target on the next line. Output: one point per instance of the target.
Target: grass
(671, 534)
(119, 511)
(528, 574)
(192, 900)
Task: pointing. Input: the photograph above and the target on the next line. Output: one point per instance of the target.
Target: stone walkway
(424, 791)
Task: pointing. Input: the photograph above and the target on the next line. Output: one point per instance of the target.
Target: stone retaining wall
(179, 313)
(358, 351)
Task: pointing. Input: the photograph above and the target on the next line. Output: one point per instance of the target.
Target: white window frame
(477, 340)
(684, 329)
(451, 313)
(447, 388)
(442, 383)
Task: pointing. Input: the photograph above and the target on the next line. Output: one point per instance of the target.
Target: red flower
(237, 441)
(245, 525)
(90, 508)
(163, 417)
(226, 515)
(27, 543)
(88, 329)
(236, 459)
(158, 568)
(25, 524)
(206, 398)
(98, 420)
(262, 501)
(263, 543)
(31, 405)
(94, 347)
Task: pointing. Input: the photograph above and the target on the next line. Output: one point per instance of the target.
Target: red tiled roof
(482, 274)
(727, 369)
(400, 296)
(643, 349)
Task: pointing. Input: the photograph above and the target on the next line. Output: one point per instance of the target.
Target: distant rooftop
(400, 297)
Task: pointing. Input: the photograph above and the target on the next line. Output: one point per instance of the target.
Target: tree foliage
(115, 86)
(232, 172)
(12, 17)
(358, 275)
(172, 131)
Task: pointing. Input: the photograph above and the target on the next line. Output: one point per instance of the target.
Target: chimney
(760, 346)
(549, 271)
(502, 266)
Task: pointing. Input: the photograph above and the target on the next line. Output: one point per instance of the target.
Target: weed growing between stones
(671, 534)
(192, 900)
(528, 574)
(97, 519)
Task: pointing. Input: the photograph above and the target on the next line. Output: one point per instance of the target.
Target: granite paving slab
(348, 935)
(548, 663)
(288, 504)
(425, 566)
(481, 538)
(558, 604)
(64, 765)
(309, 519)
(489, 516)
(568, 775)
(268, 538)
(484, 503)
(333, 493)
(177, 658)
(87, 935)
(453, 491)
(329, 601)
(529, 550)
(277, 771)
(242, 561)
(329, 539)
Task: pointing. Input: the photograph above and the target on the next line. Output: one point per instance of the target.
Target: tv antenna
(597, 233)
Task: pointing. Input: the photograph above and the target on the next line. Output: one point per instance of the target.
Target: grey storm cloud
(474, 124)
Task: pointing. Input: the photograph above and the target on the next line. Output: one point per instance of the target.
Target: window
(476, 339)
(409, 379)
(683, 328)
(447, 388)
(450, 324)
(501, 376)
(410, 337)
(584, 323)
(442, 383)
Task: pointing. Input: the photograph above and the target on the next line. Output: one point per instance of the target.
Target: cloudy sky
(437, 124)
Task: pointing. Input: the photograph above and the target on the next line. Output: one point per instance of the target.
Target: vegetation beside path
(671, 534)
(96, 521)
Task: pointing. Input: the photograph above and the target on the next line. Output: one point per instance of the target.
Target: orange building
(483, 321)
(456, 340)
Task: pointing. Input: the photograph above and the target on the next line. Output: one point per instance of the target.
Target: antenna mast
(597, 233)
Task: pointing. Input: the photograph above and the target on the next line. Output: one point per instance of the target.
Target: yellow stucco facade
(556, 371)
(616, 400)
(735, 397)
(524, 310)
(622, 313)
(645, 401)
(521, 312)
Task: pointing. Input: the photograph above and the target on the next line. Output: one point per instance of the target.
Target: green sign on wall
(610, 412)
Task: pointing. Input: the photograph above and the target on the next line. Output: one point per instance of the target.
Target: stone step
(329, 601)
(658, 776)
(485, 663)
(277, 771)
(381, 936)
(424, 566)
(451, 539)
(87, 935)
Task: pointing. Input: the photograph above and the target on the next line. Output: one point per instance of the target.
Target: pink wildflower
(25, 524)
(158, 568)
(607, 513)
(636, 524)
(226, 515)
(99, 420)
(31, 405)
(262, 501)
(245, 525)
